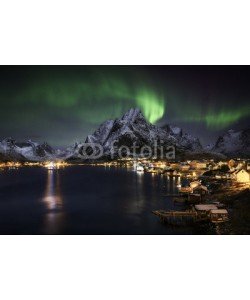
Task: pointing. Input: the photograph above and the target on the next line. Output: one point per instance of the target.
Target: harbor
(172, 201)
(205, 192)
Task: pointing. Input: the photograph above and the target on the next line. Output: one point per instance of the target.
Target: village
(208, 191)
(213, 192)
(50, 165)
(233, 169)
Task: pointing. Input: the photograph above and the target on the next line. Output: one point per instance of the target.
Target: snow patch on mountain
(234, 143)
(25, 151)
(133, 129)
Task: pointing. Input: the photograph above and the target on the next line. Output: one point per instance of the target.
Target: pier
(180, 217)
(198, 213)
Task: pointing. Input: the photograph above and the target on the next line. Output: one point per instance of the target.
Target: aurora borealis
(61, 104)
(216, 119)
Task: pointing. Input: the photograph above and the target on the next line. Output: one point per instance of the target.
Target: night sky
(62, 104)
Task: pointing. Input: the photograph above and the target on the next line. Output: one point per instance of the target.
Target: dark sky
(62, 104)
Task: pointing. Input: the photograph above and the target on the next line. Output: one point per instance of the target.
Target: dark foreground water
(85, 200)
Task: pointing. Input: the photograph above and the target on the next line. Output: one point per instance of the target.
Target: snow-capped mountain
(25, 151)
(133, 129)
(183, 141)
(234, 143)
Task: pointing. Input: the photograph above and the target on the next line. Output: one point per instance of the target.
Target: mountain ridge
(132, 128)
(11, 149)
(233, 143)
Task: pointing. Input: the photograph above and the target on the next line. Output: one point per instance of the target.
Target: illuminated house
(201, 165)
(185, 167)
(242, 176)
(174, 166)
(198, 164)
(194, 184)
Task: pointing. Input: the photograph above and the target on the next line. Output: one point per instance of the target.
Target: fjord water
(85, 200)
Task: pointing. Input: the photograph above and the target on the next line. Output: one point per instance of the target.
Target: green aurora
(216, 119)
(99, 98)
(67, 104)
(96, 98)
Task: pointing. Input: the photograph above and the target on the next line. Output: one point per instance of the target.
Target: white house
(242, 176)
(194, 184)
(201, 165)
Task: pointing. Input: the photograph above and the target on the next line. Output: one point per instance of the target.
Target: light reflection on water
(87, 200)
(53, 201)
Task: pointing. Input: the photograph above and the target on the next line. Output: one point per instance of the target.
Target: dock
(180, 217)
(198, 213)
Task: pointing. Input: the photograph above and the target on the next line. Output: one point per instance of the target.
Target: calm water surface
(85, 200)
